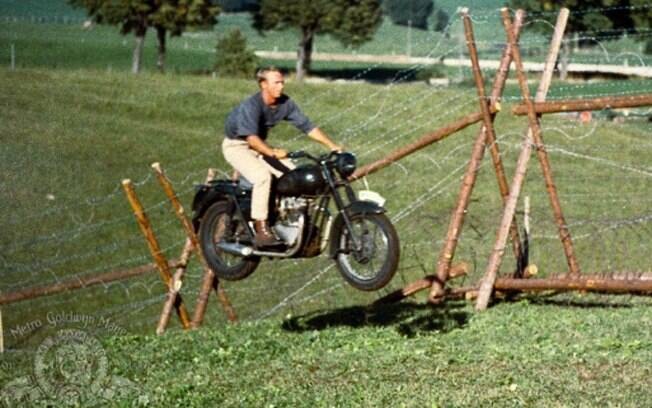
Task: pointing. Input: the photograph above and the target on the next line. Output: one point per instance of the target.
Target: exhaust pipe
(235, 249)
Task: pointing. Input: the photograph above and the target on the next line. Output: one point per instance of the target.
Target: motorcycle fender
(205, 196)
(356, 207)
(364, 207)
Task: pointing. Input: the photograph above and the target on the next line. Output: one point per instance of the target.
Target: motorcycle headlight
(346, 163)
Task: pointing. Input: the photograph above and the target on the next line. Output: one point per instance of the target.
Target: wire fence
(600, 163)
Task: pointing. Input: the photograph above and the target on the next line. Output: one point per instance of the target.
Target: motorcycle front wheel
(216, 225)
(373, 264)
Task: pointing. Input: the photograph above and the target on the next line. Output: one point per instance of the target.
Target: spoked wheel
(373, 263)
(217, 225)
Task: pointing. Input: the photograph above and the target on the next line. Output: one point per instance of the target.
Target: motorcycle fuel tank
(304, 180)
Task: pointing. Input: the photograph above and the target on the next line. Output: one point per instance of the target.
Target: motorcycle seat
(244, 184)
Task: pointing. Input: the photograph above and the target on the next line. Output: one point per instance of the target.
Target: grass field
(71, 136)
(546, 352)
(73, 129)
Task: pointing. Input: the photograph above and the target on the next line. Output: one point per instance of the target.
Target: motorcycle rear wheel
(213, 228)
(375, 264)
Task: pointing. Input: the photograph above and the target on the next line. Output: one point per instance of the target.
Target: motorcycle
(363, 241)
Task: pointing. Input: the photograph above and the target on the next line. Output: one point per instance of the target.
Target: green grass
(73, 129)
(560, 351)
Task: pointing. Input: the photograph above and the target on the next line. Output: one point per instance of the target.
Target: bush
(414, 12)
(233, 58)
(432, 71)
(648, 47)
(237, 6)
(441, 21)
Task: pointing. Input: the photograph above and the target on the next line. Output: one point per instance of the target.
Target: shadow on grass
(376, 75)
(409, 319)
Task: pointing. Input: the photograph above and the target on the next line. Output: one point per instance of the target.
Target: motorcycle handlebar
(300, 154)
(296, 155)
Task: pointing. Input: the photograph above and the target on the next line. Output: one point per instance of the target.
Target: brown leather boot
(264, 237)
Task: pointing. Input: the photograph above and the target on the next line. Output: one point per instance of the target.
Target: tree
(233, 56)
(177, 16)
(352, 22)
(409, 12)
(136, 16)
(643, 21)
(602, 19)
(235, 6)
(441, 21)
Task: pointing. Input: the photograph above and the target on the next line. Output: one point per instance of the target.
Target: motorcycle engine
(291, 214)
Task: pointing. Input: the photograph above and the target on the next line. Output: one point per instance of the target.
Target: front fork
(341, 207)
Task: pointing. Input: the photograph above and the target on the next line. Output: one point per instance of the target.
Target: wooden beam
(598, 284)
(589, 104)
(78, 283)
(424, 141)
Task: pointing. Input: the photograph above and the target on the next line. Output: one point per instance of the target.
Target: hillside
(560, 351)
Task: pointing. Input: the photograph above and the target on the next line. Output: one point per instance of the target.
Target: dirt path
(640, 71)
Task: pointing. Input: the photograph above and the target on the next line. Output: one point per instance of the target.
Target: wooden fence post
(486, 136)
(207, 285)
(487, 284)
(154, 248)
(175, 287)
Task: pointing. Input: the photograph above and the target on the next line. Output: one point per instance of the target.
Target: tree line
(351, 22)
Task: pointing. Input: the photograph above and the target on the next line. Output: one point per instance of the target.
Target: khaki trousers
(251, 165)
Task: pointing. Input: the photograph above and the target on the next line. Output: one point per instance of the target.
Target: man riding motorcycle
(245, 148)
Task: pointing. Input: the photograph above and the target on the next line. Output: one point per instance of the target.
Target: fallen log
(585, 283)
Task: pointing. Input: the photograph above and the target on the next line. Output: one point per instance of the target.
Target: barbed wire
(434, 172)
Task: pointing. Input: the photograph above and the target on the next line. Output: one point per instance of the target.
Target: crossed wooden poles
(486, 138)
(174, 282)
(510, 193)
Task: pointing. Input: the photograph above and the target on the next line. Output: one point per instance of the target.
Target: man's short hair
(261, 74)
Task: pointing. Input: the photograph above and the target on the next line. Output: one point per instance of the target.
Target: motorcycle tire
(350, 262)
(211, 230)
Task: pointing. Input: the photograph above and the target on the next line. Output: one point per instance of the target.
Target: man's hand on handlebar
(280, 153)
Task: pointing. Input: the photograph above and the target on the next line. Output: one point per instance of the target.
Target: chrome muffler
(235, 249)
(245, 251)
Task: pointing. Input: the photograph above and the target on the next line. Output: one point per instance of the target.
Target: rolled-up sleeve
(298, 119)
